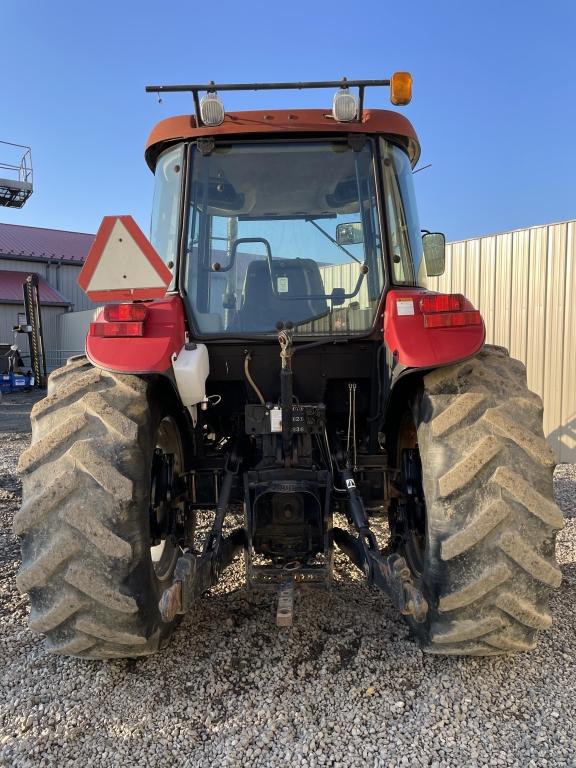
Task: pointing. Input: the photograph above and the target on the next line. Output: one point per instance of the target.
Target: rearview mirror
(434, 247)
(349, 234)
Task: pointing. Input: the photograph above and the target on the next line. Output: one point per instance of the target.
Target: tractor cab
(296, 220)
(287, 232)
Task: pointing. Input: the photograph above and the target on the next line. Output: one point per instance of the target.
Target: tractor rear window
(284, 233)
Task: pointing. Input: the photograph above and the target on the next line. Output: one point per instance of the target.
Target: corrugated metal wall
(8, 319)
(50, 328)
(64, 279)
(73, 329)
(18, 265)
(524, 284)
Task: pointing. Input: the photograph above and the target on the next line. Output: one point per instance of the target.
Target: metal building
(524, 284)
(56, 256)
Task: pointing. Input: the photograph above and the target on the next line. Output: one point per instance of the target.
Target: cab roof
(282, 122)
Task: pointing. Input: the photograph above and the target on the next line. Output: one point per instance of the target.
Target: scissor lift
(15, 174)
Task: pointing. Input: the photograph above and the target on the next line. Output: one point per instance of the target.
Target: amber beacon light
(401, 88)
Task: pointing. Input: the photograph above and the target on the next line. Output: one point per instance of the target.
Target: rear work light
(212, 109)
(115, 330)
(344, 106)
(120, 313)
(442, 302)
(453, 319)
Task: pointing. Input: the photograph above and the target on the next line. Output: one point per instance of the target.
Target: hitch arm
(390, 574)
(194, 574)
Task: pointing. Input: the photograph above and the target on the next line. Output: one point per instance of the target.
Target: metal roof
(11, 289)
(37, 243)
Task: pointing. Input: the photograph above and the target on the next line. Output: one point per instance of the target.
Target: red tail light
(110, 330)
(121, 313)
(442, 302)
(453, 319)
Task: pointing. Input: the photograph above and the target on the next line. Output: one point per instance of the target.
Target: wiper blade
(332, 240)
(284, 217)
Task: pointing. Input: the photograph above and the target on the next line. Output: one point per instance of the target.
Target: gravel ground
(345, 687)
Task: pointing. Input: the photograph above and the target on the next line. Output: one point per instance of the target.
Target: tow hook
(285, 607)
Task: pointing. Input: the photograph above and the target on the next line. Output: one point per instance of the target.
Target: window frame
(398, 200)
(381, 218)
(175, 282)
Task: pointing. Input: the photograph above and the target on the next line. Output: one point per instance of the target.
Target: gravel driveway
(345, 687)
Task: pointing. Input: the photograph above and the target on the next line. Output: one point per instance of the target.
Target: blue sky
(494, 94)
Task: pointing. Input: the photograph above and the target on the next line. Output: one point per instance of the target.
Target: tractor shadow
(337, 634)
(563, 440)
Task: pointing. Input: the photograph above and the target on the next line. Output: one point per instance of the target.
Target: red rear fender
(405, 334)
(164, 335)
(416, 346)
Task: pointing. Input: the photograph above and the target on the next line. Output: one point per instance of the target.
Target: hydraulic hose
(250, 379)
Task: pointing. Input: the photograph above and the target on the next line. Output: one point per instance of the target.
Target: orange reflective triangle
(122, 264)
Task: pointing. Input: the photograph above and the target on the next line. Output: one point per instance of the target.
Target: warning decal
(405, 306)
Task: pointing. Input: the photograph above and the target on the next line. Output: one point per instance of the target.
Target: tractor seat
(262, 309)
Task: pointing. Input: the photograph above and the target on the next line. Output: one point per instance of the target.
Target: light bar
(400, 87)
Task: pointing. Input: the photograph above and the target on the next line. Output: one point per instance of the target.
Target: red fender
(164, 335)
(405, 334)
(416, 346)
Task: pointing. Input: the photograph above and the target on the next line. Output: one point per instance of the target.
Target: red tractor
(274, 354)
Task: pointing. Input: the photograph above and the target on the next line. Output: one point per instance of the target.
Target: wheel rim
(165, 553)
(410, 520)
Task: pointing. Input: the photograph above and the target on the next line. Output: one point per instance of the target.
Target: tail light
(121, 313)
(442, 302)
(453, 319)
(114, 330)
(446, 310)
(120, 320)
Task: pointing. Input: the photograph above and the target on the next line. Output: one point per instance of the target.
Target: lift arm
(390, 574)
(196, 573)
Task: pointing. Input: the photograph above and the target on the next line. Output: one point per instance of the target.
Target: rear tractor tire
(480, 539)
(89, 562)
